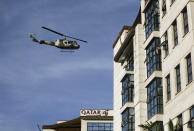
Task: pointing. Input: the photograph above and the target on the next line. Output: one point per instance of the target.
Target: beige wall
(179, 103)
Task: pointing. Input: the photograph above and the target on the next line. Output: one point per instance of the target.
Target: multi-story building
(153, 68)
(89, 120)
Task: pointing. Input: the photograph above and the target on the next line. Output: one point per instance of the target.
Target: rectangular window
(99, 126)
(128, 120)
(168, 87)
(165, 44)
(155, 97)
(175, 33)
(185, 21)
(127, 89)
(153, 56)
(152, 17)
(130, 63)
(180, 122)
(178, 78)
(192, 112)
(164, 7)
(191, 122)
(189, 68)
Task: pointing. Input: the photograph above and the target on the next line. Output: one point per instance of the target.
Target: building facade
(96, 120)
(153, 68)
(89, 120)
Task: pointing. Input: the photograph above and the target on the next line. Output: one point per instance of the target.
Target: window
(164, 7)
(178, 78)
(189, 68)
(168, 87)
(99, 127)
(192, 112)
(130, 64)
(127, 89)
(185, 21)
(155, 97)
(157, 126)
(153, 56)
(128, 120)
(152, 17)
(165, 44)
(175, 33)
(180, 122)
(191, 122)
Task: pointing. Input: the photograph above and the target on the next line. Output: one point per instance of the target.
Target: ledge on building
(97, 118)
(75, 123)
(125, 27)
(125, 48)
(121, 55)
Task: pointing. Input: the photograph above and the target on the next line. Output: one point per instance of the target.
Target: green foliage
(170, 125)
(173, 127)
(147, 126)
(150, 126)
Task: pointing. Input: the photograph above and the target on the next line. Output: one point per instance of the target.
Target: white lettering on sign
(93, 112)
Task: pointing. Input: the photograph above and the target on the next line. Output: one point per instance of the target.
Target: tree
(171, 127)
(147, 126)
(150, 126)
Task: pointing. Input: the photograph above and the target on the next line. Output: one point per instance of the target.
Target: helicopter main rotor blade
(63, 34)
(53, 31)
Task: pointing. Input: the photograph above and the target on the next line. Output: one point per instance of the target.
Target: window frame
(152, 18)
(178, 78)
(99, 125)
(130, 63)
(180, 122)
(168, 89)
(165, 46)
(128, 124)
(185, 21)
(155, 97)
(192, 112)
(153, 56)
(189, 69)
(175, 33)
(127, 89)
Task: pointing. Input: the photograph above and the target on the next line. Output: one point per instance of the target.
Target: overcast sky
(38, 83)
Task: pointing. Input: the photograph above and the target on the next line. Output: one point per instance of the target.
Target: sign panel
(94, 112)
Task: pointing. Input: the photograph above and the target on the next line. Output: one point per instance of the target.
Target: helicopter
(59, 43)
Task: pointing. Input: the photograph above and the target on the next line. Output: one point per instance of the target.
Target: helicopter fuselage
(66, 44)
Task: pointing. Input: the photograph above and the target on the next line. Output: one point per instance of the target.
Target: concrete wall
(118, 74)
(182, 101)
(139, 78)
